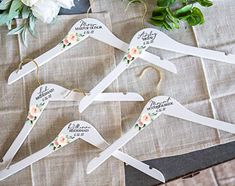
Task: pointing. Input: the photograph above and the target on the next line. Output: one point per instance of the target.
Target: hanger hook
(88, 10)
(145, 8)
(26, 61)
(142, 73)
(79, 90)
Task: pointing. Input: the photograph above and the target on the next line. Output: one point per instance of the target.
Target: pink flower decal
(129, 57)
(56, 144)
(65, 42)
(71, 38)
(60, 141)
(132, 54)
(144, 120)
(34, 113)
(30, 117)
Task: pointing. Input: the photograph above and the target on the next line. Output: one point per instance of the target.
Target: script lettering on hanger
(160, 106)
(77, 129)
(45, 93)
(147, 37)
(88, 27)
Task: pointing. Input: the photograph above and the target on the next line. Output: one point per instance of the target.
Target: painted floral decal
(71, 38)
(133, 53)
(144, 120)
(34, 113)
(60, 141)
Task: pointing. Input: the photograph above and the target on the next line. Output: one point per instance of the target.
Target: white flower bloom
(45, 10)
(65, 3)
(29, 2)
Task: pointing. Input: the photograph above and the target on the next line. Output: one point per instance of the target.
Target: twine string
(145, 9)
(88, 10)
(26, 61)
(79, 90)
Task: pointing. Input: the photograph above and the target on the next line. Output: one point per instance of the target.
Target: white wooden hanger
(48, 93)
(153, 109)
(71, 132)
(83, 29)
(150, 37)
(142, 40)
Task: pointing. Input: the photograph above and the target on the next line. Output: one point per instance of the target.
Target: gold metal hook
(26, 61)
(142, 73)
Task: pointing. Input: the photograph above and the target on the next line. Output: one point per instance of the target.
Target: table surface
(176, 166)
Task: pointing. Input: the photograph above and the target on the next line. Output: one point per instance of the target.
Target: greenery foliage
(168, 14)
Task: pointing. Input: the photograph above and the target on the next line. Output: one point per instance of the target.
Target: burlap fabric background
(205, 87)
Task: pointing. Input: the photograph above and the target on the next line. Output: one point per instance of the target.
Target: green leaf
(25, 12)
(165, 3)
(154, 22)
(206, 3)
(23, 35)
(159, 12)
(167, 26)
(184, 1)
(183, 10)
(5, 4)
(4, 18)
(172, 18)
(9, 24)
(16, 30)
(31, 28)
(15, 9)
(158, 18)
(195, 18)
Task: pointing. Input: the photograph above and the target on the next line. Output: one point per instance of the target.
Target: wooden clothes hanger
(48, 93)
(71, 132)
(142, 40)
(153, 109)
(84, 28)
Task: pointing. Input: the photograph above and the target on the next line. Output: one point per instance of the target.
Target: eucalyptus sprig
(168, 14)
(14, 9)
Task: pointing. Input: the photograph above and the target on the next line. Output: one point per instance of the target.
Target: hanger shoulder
(109, 38)
(60, 48)
(94, 163)
(154, 173)
(179, 111)
(15, 146)
(34, 113)
(31, 66)
(119, 96)
(156, 61)
(167, 43)
(12, 169)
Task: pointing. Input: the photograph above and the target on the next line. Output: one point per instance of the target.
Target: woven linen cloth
(204, 86)
(82, 66)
